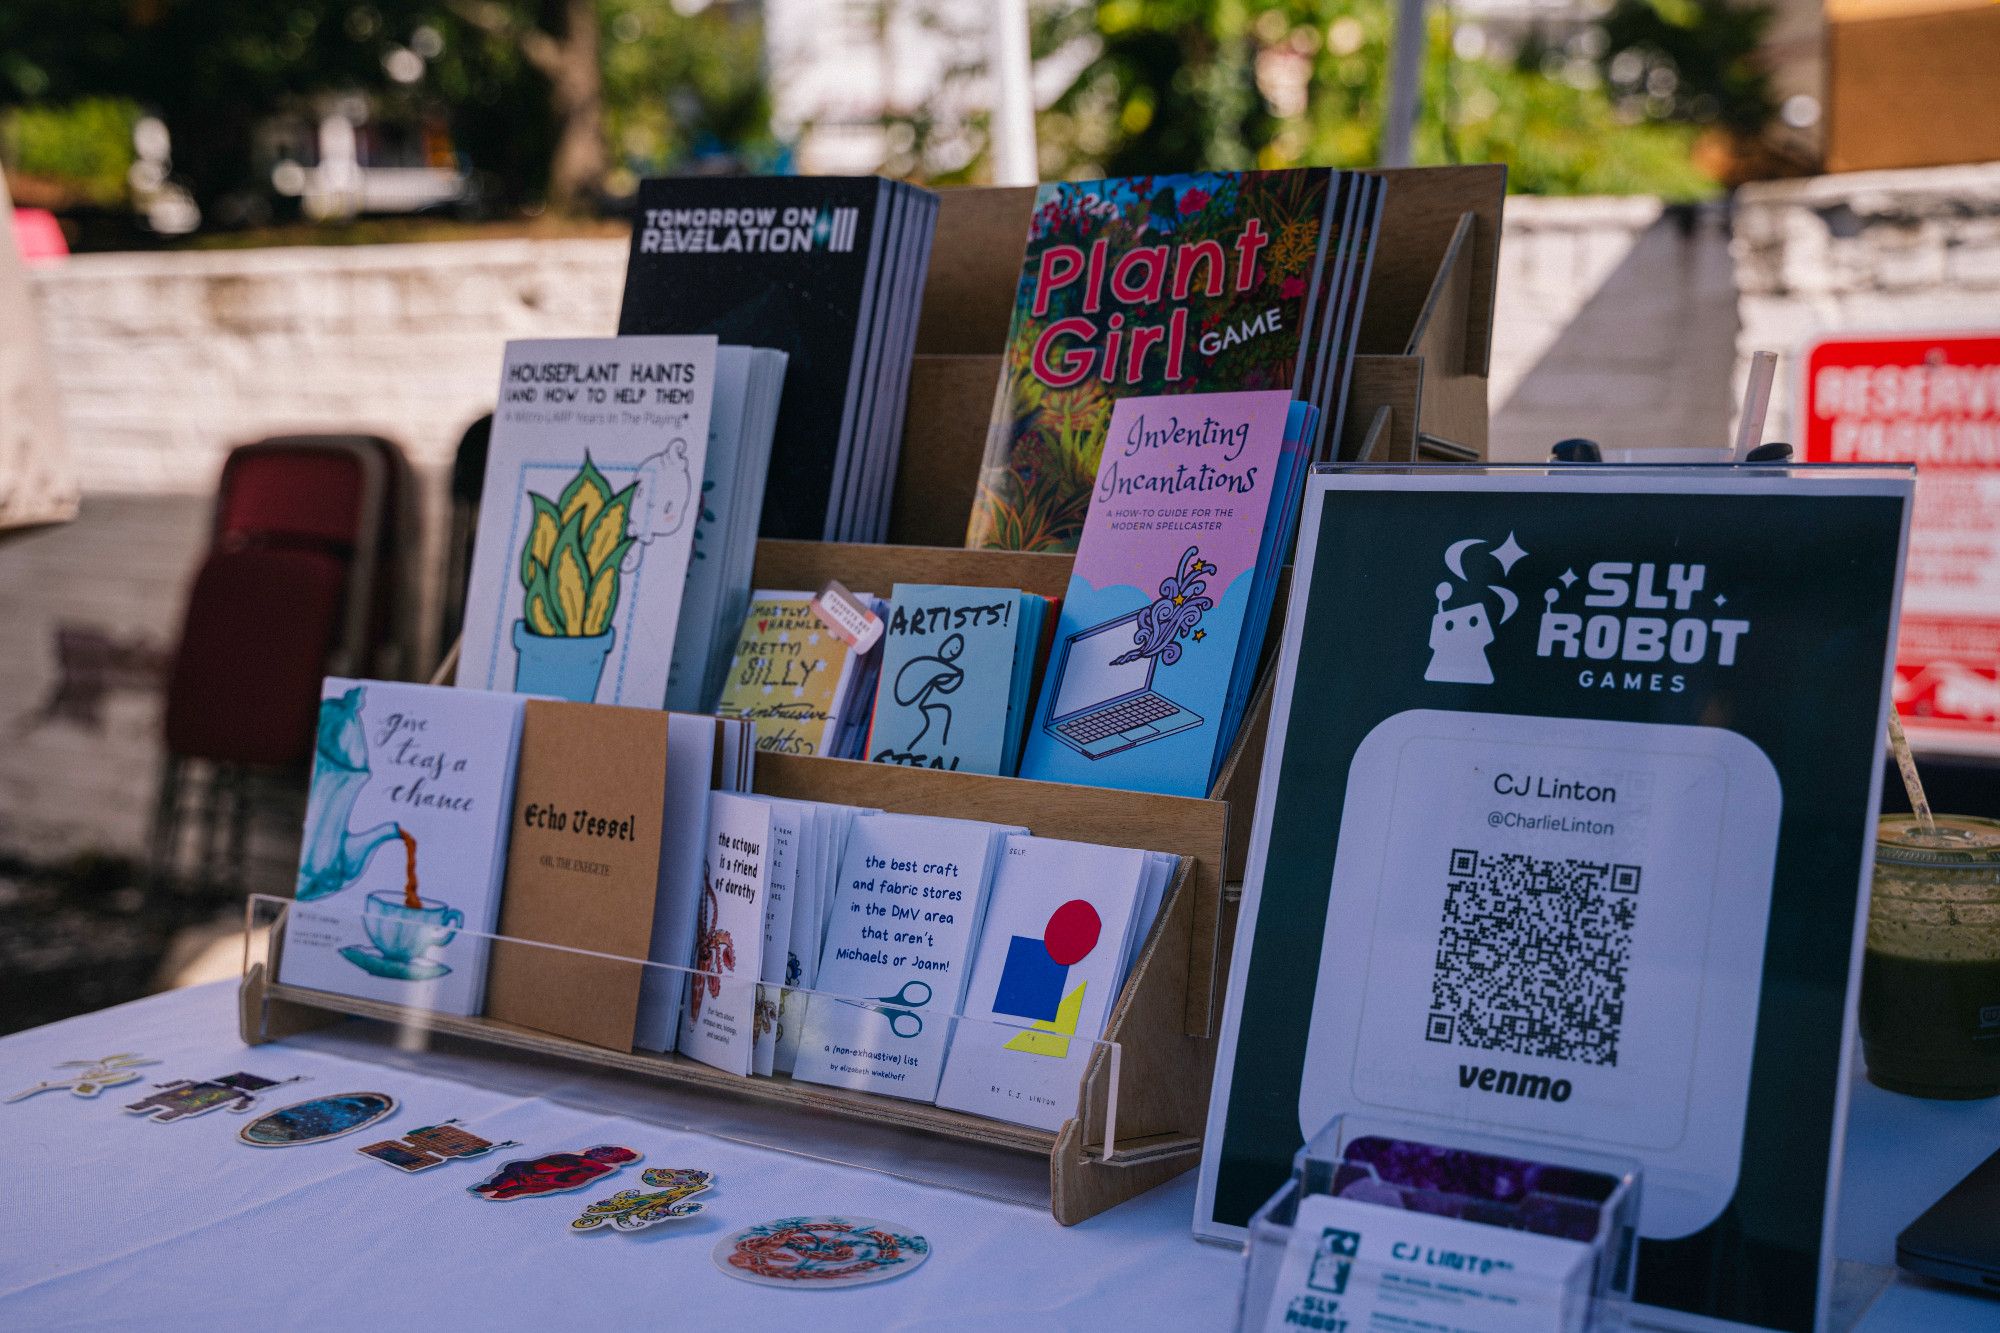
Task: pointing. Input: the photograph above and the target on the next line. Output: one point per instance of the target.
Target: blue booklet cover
(1140, 676)
(948, 666)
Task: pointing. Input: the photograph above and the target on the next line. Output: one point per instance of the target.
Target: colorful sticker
(820, 1251)
(317, 1120)
(185, 1098)
(432, 1145)
(554, 1173)
(672, 1198)
(92, 1076)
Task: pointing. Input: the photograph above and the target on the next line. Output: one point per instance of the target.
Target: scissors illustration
(906, 1001)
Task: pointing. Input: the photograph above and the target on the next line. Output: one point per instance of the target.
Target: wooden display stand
(1419, 391)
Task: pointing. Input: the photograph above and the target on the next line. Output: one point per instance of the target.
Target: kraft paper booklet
(405, 843)
(717, 1025)
(950, 657)
(1146, 659)
(1050, 962)
(907, 910)
(583, 869)
(586, 521)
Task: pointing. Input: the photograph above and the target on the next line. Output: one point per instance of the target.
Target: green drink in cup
(1930, 975)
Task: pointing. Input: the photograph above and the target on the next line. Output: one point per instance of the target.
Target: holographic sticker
(316, 1121)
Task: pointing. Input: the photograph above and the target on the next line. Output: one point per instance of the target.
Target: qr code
(1531, 955)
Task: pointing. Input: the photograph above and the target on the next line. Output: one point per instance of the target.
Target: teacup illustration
(403, 934)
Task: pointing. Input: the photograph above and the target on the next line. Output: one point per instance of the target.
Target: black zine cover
(779, 262)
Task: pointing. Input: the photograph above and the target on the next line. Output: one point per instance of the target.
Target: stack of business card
(829, 270)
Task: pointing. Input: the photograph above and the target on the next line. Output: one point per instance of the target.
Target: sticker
(319, 1119)
(554, 1173)
(92, 1076)
(821, 1251)
(185, 1098)
(842, 612)
(432, 1145)
(672, 1199)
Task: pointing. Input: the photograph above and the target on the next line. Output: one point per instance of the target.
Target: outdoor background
(251, 217)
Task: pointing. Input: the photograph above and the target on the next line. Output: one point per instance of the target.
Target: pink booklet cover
(1139, 673)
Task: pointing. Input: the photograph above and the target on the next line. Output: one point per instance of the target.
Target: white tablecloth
(110, 1221)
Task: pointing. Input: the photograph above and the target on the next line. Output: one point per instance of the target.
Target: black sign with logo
(1564, 821)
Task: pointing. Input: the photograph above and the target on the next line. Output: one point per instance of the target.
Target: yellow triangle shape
(1051, 1036)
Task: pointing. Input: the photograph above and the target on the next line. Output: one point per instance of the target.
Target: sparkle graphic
(1568, 578)
(1509, 554)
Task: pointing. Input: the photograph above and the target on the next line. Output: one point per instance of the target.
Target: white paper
(436, 764)
(787, 820)
(1653, 847)
(716, 1025)
(905, 914)
(1050, 959)
(692, 745)
(637, 409)
(1363, 1268)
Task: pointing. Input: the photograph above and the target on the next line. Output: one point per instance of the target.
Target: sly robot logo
(1460, 633)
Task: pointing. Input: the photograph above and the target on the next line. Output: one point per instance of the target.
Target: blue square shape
(1031, 984)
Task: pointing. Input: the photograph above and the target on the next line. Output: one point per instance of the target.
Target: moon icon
(1454, 556)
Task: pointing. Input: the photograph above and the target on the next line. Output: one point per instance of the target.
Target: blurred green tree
(537, 94)
(1179, 84)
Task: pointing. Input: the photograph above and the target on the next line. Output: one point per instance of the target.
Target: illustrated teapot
(332, 857)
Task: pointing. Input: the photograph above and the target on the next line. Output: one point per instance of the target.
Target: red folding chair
(300, 581)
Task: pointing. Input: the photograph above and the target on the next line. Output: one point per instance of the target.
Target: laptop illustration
(1102, 709)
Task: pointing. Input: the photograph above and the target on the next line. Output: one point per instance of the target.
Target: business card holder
(1488, 1179)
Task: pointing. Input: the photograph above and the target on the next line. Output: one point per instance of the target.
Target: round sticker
(321, 1118)
(820, 1252)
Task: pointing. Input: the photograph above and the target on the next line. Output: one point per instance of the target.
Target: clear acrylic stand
(1487, 1179)
(907, 1138)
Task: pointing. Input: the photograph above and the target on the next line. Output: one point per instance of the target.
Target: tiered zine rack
(1419, 393)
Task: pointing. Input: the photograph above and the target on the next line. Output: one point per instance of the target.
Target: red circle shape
(1072, 932)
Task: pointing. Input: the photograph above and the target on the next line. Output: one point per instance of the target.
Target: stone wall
(1615, 319)
(1866, 252)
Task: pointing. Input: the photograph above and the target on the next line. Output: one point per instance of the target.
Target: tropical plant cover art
(569, 564)
(1135, 287)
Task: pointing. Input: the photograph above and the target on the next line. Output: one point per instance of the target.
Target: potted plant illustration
(569, 580)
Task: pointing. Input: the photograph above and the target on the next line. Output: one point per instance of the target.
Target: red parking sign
(1935, 402)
